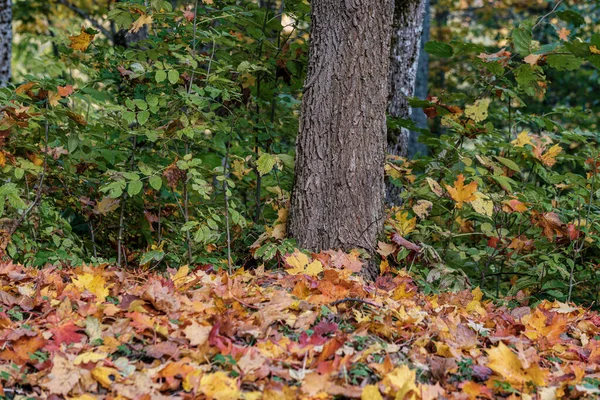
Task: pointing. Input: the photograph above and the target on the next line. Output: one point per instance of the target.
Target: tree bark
(338, 194)
(5, 41)
(406, 39)
(421, 87)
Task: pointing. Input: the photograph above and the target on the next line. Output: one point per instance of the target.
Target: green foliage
(160, 145)
(509, 195)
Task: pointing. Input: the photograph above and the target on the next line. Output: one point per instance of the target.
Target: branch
(86, 16)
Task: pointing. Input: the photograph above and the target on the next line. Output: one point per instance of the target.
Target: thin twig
(353, 299)
(38, 195)
(87, 17)
(225, 189)
(558, 3)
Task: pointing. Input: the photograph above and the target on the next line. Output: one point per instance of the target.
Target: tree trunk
(5, 41)
(406, 39)
(338, 194)
(421, 87)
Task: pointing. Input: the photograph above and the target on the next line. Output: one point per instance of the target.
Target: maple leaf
(594, 50)
(197, 334)
(563, 34)
(505, 363)
(144, 19)
(522, 139)
(82, 41)
(403, 224)
(93, 283)
(400, 382)
(63, 377)
(301, 264)
(219, 386)
(67, 333)
(549, 157)
(106, 205)
(64, 91)
(460, 193)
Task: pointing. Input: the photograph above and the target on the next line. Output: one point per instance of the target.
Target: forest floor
(314, 330)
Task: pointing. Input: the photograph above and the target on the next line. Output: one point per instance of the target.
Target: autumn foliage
(101, 332)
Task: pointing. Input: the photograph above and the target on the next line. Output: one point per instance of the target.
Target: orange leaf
(461, 193)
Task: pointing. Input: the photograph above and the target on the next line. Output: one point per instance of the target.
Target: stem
(225, 189)
(38, 195)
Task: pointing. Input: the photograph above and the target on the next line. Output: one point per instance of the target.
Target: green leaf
(265, 163)
(160, 76)
(521, 38)
(143, 116)
(129, 116)
(173, 76)
(509, 163)
(438, 49)
(156, 182)
(564, 62)
(134, 187)
(152, 255)
(73, 142)
(571, 17)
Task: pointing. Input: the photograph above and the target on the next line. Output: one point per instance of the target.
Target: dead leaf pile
(314, 330)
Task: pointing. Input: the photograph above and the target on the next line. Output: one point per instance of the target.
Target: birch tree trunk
(338, 194)
(5, 41)
(406, 39)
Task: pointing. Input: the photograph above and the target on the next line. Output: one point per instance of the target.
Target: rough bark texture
(406, 39)
(338, 194)
(421, 87)
(5, 41)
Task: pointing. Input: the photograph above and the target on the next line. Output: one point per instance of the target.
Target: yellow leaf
(181, 276)
(549, 157)
(482, 204)
(219, 386)
(504, 362)
(144, 19)
(461, 193)
(2, 159)
(301, 265)
(404, 225)
(53, 98)
(370, 392)
(400, 382)
(594, 49)
(479, 111)
(93, 283)
(106, 205)
(82, 41)
(435, 187)
(105, 376)
(522, 140)
(89, 357)
(192, 380)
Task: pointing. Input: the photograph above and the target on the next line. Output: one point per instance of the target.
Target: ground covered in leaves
(312, 330)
